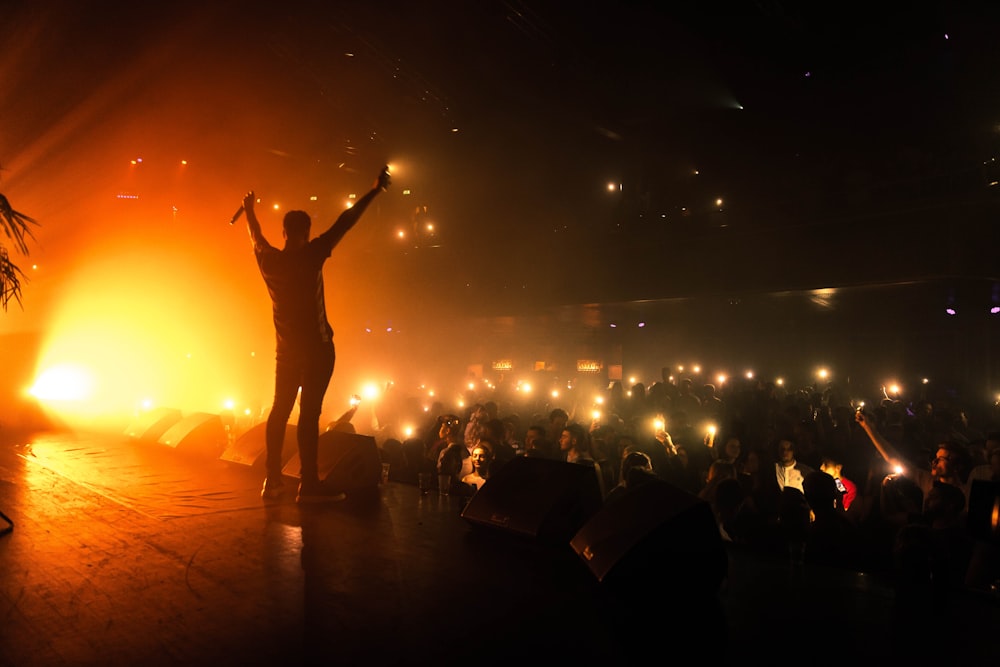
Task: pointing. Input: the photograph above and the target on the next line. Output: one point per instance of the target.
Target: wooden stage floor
(124, 553)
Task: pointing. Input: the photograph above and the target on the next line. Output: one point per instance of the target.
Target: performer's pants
(313, 375)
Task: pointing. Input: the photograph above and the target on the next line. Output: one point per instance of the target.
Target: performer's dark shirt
(294, 279)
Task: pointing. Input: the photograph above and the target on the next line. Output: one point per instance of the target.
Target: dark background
(848, 143)
(752, 149)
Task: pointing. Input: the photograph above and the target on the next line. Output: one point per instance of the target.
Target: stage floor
(128, 553)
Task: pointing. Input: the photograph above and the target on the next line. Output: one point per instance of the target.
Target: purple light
(613, 325)
(995, 309)
(950, 311)
(642, 324)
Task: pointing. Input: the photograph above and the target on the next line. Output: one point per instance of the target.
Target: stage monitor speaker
(652, 529)
(347, 461)
(250, 449)
(983, 517)
(537, 499)
(151, 424)
(199, 433)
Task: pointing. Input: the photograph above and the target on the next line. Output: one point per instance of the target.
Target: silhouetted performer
(304, 352)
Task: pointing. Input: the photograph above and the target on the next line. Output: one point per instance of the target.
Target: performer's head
(295, 226)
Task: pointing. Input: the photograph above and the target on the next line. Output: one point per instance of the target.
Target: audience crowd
(884, 484)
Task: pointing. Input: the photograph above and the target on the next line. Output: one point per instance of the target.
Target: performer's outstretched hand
(383, 180)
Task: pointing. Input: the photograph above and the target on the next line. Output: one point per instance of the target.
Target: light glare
(63, 383)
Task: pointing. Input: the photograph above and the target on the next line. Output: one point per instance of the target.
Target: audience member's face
(565, 441)
(943, 464)
(991, 445)
(448, 429)
(531, 438)
(752, 463)
(732, 448)
(786, 452)
(480, 460)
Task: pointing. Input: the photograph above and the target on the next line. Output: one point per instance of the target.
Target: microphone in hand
(248, 200)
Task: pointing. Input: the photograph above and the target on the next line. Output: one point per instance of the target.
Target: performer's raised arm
(253, 225)
(350, 216)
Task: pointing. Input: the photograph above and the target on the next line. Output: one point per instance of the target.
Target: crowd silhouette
(819, 475)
